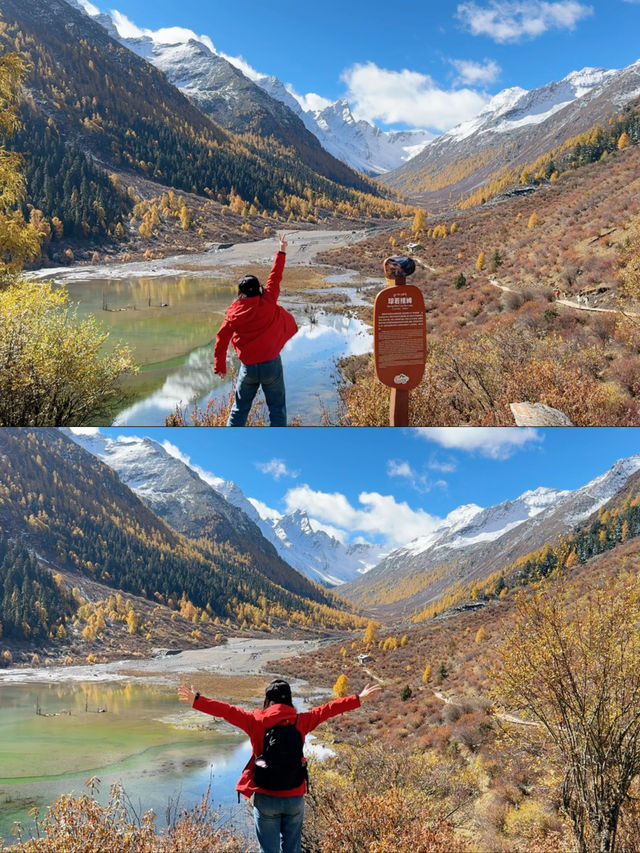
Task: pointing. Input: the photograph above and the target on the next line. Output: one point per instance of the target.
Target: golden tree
(370, 634)
(18, 242)
(573, 661)
(481, 635)
(52, 369)
(341, 687)
(624, 141)
(419, 221)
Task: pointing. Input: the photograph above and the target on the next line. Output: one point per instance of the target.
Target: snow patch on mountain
(471, 524)
(149, 470)
(308, 549)
(358, 143)
(601, 489)
(191, 62)
(516, 107)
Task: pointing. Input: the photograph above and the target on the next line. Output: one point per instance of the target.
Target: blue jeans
(269, 375)
(278, 816)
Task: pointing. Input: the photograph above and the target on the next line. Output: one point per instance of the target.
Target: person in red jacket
(278, 814)
(258, 329)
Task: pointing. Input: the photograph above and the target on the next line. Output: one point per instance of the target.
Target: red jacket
(256, 723)
(257, 326)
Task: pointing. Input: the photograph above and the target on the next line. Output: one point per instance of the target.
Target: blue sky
(420, 63)
(391, 485)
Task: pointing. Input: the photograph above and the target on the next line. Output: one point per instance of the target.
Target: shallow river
(169, 312)
(161, 751)
(122, 721)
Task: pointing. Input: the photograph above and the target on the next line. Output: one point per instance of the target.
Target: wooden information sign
(399, 340)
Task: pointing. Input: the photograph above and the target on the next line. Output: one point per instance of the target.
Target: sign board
(400, 336)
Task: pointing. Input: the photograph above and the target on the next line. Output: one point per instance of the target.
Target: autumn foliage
(82, 824)
(573, 662)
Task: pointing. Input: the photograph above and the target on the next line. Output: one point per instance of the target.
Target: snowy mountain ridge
(517, 107)
(473, 542)
(168, 481)
(170, 486)
(191, 64)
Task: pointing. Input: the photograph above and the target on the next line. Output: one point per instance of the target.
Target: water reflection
(158, 749)
(309, 360)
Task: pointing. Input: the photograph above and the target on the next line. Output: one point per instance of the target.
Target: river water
(309, 362)
(102, 721)
(170, 322)
(170, 310)
(160, 751)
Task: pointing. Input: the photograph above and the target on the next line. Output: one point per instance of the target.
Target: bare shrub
(81, 824)
(451, 713)
(513, 301)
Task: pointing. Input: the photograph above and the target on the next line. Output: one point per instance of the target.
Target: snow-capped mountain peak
(601, 489)
(192, 63)
(470, 523)
(164, 480)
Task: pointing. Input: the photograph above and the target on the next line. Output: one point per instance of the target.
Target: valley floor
(237, 657)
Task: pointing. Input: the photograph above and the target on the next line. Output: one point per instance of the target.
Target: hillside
(513, 290)
(78, 520)
(94, 110)
(515, 129)
(193, 507)
(222, 92)
(440, 697)
(474, 545)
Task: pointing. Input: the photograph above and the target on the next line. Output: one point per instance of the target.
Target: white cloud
(408, 97)
(443, 467)
(419, 482)
(330, 530)
(207, 476)
(126, 28)
(85, 430)
(476, 73)
(276, 468)
(513, 20)
(311, 102)
(400, 469)
(378, 514)
(265, 512)
(494, 442)
(166, 35)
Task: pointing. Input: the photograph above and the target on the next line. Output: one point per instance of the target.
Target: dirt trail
(499, 715)
(569, 303)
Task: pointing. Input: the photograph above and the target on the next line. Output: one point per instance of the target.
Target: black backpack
(281, 766)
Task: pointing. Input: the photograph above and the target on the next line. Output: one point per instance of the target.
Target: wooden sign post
(399, 337)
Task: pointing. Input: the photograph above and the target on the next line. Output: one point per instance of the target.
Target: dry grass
(82, 825)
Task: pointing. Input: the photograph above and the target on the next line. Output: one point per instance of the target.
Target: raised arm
(308, 720)
(272, 287)
(231, 713)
